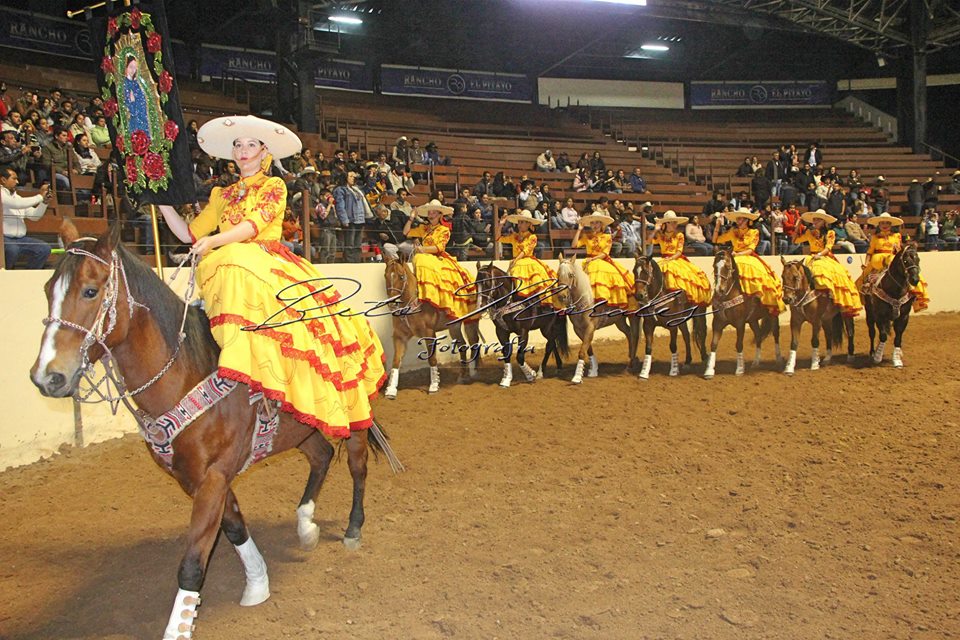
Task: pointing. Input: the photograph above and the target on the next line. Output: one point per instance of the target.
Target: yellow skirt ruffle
(612, 282)
(831, 276)
(439, 277)
(533, 277)
(757, 279)
(324, 369)
(682, 274)
(879, 262)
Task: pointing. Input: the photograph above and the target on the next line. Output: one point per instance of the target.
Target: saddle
(871, 286)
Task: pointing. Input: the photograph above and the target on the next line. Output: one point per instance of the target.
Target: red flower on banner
(110, 107)
(140, 142)
(153, 166)
(135, 17)
(107, 64)
(119, 145)
(111, 26)
(133, 174)
(170, 130)
(153, 42)
(165, 82)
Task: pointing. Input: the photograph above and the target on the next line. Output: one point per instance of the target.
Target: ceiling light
(655, 47)
(346, 19)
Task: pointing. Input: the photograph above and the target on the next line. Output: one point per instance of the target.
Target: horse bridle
(646, 284)
(810, 294)
(724, 294)
(902, 286)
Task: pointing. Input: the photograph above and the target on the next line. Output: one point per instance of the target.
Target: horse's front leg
(586, 339)
(503, 336)
(399, 348)
(524, 340)
(816, 324)
(205, 518)
(357, 461)
(634, 327)
(434, 365)
(883, 328)
(796, 324)
(741, 328)
(649, 326)
(257, 588)
(899, 328)
(685, 332)
(716, 332)
(467, 370)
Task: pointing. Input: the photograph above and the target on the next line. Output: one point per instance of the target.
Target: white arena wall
(34, 427)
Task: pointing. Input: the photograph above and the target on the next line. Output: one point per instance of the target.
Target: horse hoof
(644, 377)
(432, 390)
(738, 372)
(352, 544)
(708, 376)
(310, 538)
(576, 381)
(255, 593)
(390, 394)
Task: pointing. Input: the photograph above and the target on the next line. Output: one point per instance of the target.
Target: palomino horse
(587, 316)
(808, 304)
(106, 304)
(669, 309)
(414, 318)
(889, 300)
(511, 315)
(732, 306)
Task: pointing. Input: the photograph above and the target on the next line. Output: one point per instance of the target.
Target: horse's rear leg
(585, 350)
(741, 331)
(357, 461)
(796, 324)
(899, 328)
(527, 371)
(254, 568)
(848, 327)
(503, 337)
(685, 332)
(319, 452)
(399, 348)
(883, 328)
(815, 342)
(468, 367)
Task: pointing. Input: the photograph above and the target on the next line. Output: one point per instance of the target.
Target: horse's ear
(68, 232)
(108, 241)
(479, 265)
(782, 260)
(559, 255)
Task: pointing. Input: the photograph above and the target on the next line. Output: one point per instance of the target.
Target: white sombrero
(523, 216)
(216, 136)
(586, 221)
(819, 214)
(885, 217)
(741, 213)
(671, 216)
(433, 205)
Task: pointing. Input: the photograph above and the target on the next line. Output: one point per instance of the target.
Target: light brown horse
(104, 301)
(413, 318)
(808, 304)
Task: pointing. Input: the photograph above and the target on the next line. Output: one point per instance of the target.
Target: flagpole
(156, 240)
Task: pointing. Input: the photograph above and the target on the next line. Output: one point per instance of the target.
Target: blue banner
(261, 66)
(450, 83)
(763, 94)
(36, 32)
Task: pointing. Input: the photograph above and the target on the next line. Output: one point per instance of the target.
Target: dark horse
(97, 303)
(732, 306)
(496, 291)
(671, 309)
(809, 304)
(889, 300)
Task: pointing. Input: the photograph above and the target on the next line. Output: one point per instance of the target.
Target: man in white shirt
(545, 161)
(16, 209)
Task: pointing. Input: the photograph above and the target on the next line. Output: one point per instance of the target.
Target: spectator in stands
(568, 218)
(597, 165)
(791, 218)
(563, 163)
(399, 179)
(481, 231)
(326, 222)
(931, 194)
(460, 236)
(292, 232)
(16, 209)
(433, 155)
(55, 155)
(353, 163)
(485, 207)
(503, 186)
(583, 162)
(814, 157)
(608, 182)
(78, 126)
(948, 231)
(417, 153)
(485, 185)
(735, 201)
(228, 174)
(762, 224)
(745, 170)
(696, 239)
(836, 204)
(761, 188)
(715, 204)
(306, 186)
(400, 203)
(955, 183)
(603, 206)
(931, 230)
(466, 197)
(13, 155)
(776, 217)
(13, 121)
(353, 211)
(204, 178)
(855, 235)
(582, 181)
(545, 162)
(841, 243)
(853, 179)
(774, 174)
(915, 195)
(755, 165)
(100, 134)
(402, 153)
(87, 162)
(832, 174)
(805, 184)
(819, 197)
(637, 183)
(295, 163)
(386, 227)
(630, 231)
(382, 164)
(621, 182)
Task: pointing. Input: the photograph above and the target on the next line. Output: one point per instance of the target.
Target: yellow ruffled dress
(680, 273)
(756, 278)
(829, 274)
(880, 253)
(441, 280)
(533, 275)
(609, 280)
(323, 368)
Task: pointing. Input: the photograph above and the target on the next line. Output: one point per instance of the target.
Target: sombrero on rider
(819, 214)
(433, 205)
(671, 216)
(586, 221)
(523, 216)
(885, 217)
(741, 213)
(216, 136)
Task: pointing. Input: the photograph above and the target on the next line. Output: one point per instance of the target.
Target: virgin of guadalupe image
(134, 96)
(136, 90)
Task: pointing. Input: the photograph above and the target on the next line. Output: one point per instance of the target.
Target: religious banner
(762, 94)
(450, 83)
(136, 80)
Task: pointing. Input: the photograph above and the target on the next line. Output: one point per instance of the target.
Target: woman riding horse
(678, 272)
(610, 281)
(884, 244)
(828, 273)
(756, 278)
(533, 276)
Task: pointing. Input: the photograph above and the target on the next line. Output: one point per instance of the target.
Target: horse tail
(560, 336)
(700, 333)
(837, 329)
(379, 442)
(766, 326)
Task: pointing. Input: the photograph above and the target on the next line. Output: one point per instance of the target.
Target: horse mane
(809, 274)
(581, 291)
(494, 273)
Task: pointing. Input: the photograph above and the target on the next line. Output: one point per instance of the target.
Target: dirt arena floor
(820, 506)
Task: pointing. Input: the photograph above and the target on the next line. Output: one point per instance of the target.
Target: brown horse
(888, 300)
(731, 306)
(670, 309)
(413, 318)
(808, 304)
(106, 304)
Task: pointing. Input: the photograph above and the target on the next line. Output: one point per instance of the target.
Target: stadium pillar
(912, 82)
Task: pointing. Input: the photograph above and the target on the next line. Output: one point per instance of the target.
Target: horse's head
(725, 275)
(797, 281)
(88, 300)
(910, 261)
(492, 284)
(645, 272)
(566, 279)
(399, 281)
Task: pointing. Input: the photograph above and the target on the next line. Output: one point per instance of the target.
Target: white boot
(180, 625)
(711, 364)
(254, 567)
(434, 380)
(578, 373)
(740, 367)
(897, 357)
(594, 367)
(307, 529)
(815, 360)
(674, 364)
(791, 362)
(472, 369)
(540, 374)
(827, 358)
(507, 375)
(756, 357)
(878, 354)
(391, 391)
(528, 372)
(645, 370)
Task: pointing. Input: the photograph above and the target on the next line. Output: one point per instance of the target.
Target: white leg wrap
(878, 354)
(674, 364)
(815, 360)
(434, 380)
(578, 373)
(528, 372)
(594, 367)
(507, 375)
(307, 529)
(180, 625)
(472, 368)
(791, 363)
(392, 382)
(645, 370)
(254, 567)
(539, 374)
(740, 367)
(756, 357)
(711, 365)
(897, 357)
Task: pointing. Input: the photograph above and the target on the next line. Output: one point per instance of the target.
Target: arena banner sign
(36, 32)
(451, 83)
(261, 66)
(761, 94)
